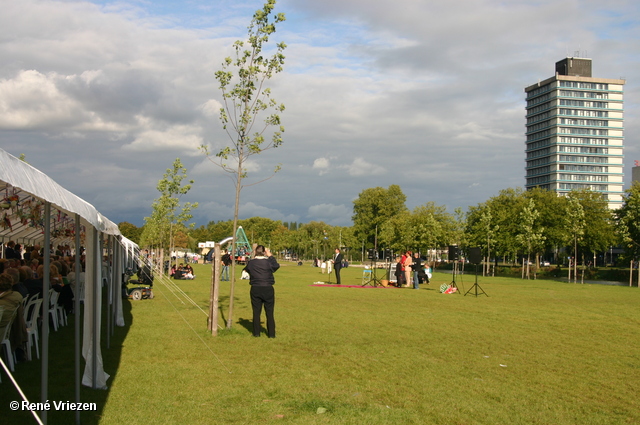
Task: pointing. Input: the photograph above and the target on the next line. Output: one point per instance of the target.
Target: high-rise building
(575, 134)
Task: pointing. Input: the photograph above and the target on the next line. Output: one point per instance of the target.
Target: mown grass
(533, 352)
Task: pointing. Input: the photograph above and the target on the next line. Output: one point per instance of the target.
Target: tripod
(476, 286)
(453, 281)
(373, 279)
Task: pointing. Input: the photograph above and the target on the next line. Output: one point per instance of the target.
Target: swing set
(243, 247)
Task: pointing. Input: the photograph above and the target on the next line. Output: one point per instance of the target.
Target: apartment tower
(574, 136)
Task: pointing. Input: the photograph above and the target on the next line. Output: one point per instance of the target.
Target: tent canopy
(23, 192)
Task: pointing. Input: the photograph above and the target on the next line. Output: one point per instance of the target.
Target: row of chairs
(31, 308)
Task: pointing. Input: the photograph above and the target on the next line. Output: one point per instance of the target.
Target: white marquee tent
(34, 209)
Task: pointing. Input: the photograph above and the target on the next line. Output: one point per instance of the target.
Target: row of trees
(512, 225)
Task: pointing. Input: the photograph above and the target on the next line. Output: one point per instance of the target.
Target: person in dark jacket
(337, 264)
(261, 269)
(416, 267)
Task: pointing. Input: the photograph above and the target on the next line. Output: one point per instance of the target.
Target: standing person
(9, 252)
(416, 267)
(407, 262)
(399, 273)
(261, 269)
(337, 264)
(226, 262)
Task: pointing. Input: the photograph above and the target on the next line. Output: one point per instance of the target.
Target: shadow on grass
(61, 376)
(248, 325)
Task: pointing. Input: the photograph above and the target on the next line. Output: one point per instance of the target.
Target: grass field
(532, 352)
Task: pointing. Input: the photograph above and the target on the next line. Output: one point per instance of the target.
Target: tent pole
(76, 310)
(97, 283)
(108, 276)
(117, 281)
(46, 279)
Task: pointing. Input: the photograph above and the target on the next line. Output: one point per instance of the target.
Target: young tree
(628, 219)
(530, 236)
(249, 111)
(575, 222)
(599, 231)
(166, 210)
(505, 210)
(481, 230)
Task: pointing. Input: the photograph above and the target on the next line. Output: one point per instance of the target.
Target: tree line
(511, 226)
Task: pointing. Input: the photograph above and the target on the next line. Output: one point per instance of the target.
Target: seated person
(188, 272)
(179, 272)
(9, 299)
(17, 285)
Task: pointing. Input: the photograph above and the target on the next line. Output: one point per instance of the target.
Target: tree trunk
(233, 242)
(575, 260)
(215, 290)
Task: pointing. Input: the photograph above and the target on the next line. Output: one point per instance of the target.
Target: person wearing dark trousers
(416, 267)
(337, 264)
(261, 279)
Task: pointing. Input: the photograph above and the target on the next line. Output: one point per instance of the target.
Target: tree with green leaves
(249, 111)
(130, 231)
(628, 219)
(505, 211)
(167, 213)
(599, 231)
(373, 208)
(552, 209)
(481, 231)
(397, 233)
(575, 223)
(530, 235)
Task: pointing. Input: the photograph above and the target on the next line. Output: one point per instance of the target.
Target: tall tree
(374, 207)
(130, 231)
(552, 209)
(506, 208)
(249, 111)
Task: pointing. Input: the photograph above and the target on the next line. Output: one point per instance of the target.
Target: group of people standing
(409, 270)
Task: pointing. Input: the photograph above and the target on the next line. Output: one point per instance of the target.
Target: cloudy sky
(104, 95)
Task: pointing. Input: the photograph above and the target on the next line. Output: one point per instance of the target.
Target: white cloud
(417, 93)
(179, 137)
(211, 108)
(321, 164)
(359, 168)
(31, 99)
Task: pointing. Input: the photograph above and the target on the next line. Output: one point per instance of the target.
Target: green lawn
(533, 352)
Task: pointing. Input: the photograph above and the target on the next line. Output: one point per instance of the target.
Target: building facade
(575, 133)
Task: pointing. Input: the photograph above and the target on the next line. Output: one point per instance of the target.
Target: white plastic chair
(53, 310)
(6, 344)
(31, 315)
(62, 314)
